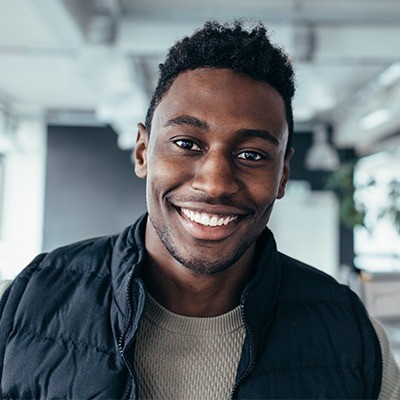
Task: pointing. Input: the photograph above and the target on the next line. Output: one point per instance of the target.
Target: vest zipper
(124, 333)
(128, 391)
(252, 363)
(121, 340)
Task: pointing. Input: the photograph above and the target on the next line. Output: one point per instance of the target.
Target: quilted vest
(68, 324)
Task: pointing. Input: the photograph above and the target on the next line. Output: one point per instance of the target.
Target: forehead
(222, 96)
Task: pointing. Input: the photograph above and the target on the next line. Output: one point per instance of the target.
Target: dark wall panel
(91, 187)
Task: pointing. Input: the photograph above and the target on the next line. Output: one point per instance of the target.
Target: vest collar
(258, 302)
(260, 293)
(128, 257)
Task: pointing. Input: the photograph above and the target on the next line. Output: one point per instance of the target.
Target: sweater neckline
(197, 326)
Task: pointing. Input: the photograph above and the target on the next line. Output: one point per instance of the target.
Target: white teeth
(213, 221)
(207, 219)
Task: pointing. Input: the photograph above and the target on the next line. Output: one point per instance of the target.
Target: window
(377, 182)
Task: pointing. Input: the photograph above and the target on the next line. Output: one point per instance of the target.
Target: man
(194, 300)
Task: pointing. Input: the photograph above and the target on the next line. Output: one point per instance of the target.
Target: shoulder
(300, 280)
(86, 256)
(62, 295)
(308, 291)
(391, 372)
(59, 308)
(64, 273)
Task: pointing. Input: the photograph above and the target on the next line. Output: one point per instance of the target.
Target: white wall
(306, 226)
(23, 192)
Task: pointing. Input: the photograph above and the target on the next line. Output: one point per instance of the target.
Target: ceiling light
(322, 155)
(390, 75)
(375, 118)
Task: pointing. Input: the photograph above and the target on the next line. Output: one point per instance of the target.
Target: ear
(140, 152)
(285, 174)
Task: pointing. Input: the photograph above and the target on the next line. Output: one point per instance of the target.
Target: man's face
(214, 163)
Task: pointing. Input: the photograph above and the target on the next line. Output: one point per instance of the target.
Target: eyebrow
(263, 134)
(188, 121)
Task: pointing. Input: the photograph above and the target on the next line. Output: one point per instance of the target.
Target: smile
(208, 219)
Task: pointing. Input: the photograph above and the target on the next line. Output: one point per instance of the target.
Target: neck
(185, 292)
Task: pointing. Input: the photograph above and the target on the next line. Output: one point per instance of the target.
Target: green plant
(392, 211)
(341, 182)
(354, 211)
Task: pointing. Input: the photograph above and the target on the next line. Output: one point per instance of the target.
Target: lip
(210, 233)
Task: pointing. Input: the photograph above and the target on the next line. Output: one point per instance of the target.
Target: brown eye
(250, 156)
(187, 144)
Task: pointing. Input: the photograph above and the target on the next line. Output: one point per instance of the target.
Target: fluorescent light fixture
(390, 75)
(375, 118)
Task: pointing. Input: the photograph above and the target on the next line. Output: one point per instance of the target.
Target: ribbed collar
(196, 326)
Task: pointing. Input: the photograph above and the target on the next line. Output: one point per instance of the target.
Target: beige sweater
(181, 357)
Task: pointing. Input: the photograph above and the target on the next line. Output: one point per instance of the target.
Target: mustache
(215, 201)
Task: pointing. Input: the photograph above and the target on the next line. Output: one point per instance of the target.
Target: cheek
(158, 170)
(163, 177)
(265, 190)
(167, 170)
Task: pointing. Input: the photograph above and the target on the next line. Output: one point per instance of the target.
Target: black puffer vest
(68, 325)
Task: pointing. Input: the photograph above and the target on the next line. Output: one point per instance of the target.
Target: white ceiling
(77, 58)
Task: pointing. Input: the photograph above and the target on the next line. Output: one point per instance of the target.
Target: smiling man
(194, 301)
(215, 162)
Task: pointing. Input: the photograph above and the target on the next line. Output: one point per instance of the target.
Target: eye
(250, 156)
(187, 144)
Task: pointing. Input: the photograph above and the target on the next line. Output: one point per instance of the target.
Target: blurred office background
(76, 77)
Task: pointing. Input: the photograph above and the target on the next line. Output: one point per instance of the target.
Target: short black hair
(230, 46)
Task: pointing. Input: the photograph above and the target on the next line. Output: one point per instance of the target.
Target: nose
(215, 175)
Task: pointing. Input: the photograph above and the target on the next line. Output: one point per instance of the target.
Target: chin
(205, 264)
